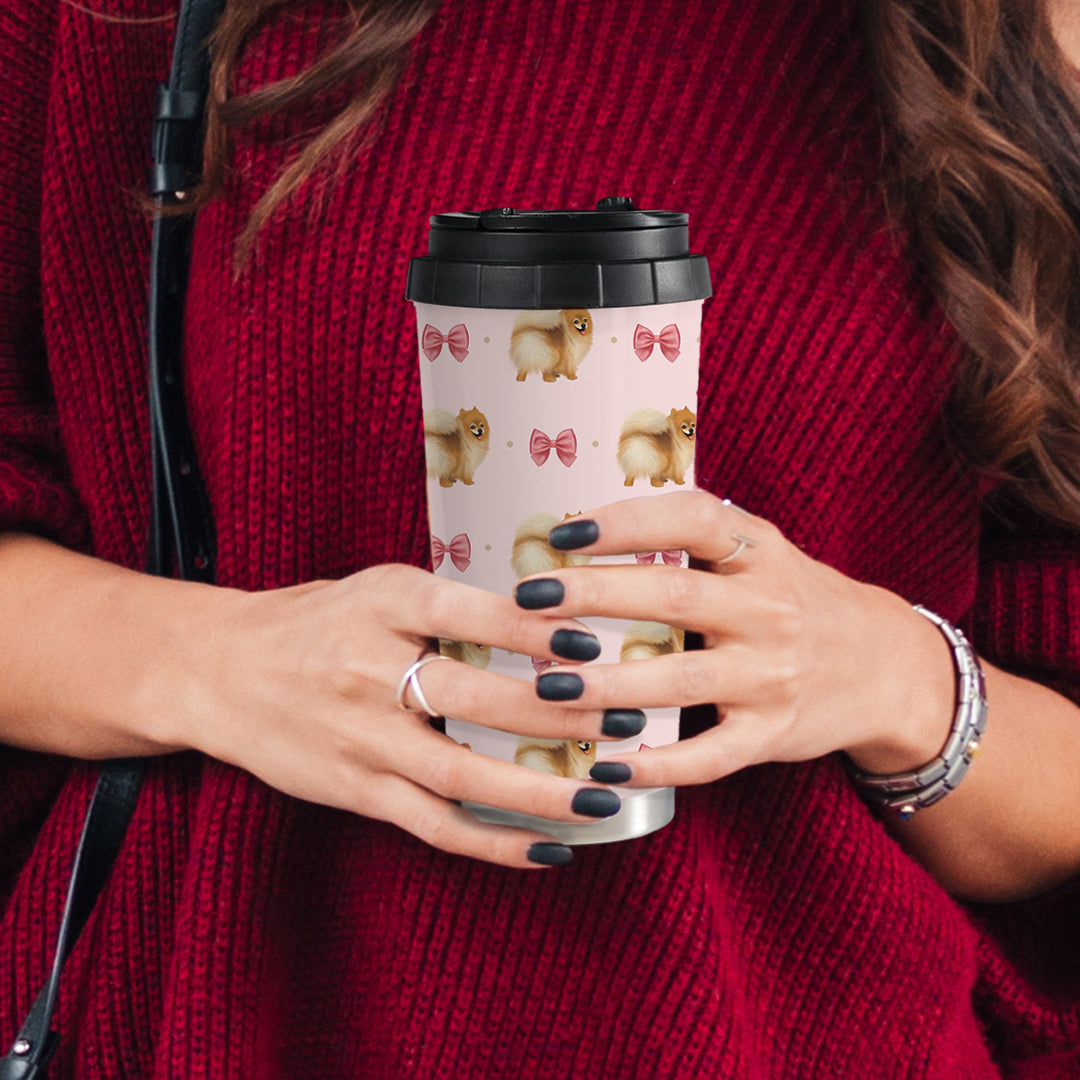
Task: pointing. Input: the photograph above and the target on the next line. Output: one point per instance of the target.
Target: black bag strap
(180, 518)
(180, 511)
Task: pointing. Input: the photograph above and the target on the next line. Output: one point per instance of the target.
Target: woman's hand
(298, 685)
(799, 660)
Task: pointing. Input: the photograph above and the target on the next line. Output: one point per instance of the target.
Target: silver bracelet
(909, 792)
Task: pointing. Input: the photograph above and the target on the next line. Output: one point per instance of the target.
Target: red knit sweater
(774, 930)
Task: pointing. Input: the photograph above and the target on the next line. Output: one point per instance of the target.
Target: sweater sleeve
(1027, 614)
(1027, 621)
(36, 494)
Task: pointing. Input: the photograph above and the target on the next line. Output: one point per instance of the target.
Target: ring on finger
(742, 543)
(411, 681)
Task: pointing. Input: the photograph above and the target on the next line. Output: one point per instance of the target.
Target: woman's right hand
(297, 686)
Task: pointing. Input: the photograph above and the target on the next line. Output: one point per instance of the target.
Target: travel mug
(558, 356)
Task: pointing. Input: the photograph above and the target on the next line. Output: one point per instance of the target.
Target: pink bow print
(457, 339)
(672, 557)
(459, 549)
(564, 444)
(541, 665)
(668, 339)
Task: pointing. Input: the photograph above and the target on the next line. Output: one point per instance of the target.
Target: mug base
(642, 812)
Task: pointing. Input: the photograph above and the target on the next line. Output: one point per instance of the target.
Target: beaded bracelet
(909, 792)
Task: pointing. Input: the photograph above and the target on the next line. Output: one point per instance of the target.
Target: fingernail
(547, 854)
(574, 534)
(596, 802)
(575, 645)
(611, 772)
(559, 686)
(541, 593)
(623, 723)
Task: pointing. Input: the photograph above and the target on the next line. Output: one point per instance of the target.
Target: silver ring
(411, 681)
(743, 542)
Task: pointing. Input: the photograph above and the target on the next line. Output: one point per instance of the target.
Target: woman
(775, 928)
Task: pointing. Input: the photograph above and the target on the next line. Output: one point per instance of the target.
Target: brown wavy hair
(370, 54)
(981, 170)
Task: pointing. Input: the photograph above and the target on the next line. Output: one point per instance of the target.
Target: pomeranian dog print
(550, 343)
(455, 445)
(467, 652)
(657, 447)
(529, 418)
(532, 554)
(644, 640)
(572, 758)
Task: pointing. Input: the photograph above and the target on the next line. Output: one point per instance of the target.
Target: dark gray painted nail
(623, 723)
(575, 645)
(545, 854)
(595, 802)
(542, 593)
(559, 686)
(611, 772)
(574, 534)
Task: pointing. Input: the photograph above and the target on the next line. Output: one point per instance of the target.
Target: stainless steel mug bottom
(641, 813)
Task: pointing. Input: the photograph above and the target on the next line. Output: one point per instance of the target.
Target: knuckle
(601, 687)
(385, 579)
(377, 576)
(357, 790)
(788, 618)
(457, 694)
(587, 593)
(696, 678)
(433, 825)
(362, 802)
(444, 773)
(682, 595)
(786, 678)
(345, 670)
(382, 587)
(437, 605)
(704, 512)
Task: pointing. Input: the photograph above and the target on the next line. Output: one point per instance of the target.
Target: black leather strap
(181, 522)
(103, 832)
(178, 117)
(181, 519)
(180, 515)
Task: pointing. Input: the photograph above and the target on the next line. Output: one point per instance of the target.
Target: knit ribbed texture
(774, 931)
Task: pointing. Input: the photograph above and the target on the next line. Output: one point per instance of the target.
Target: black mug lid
(613, 256)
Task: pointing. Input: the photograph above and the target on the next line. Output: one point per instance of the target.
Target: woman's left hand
(799, 660)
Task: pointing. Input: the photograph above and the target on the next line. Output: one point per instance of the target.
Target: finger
(694, 521)
(423, 606)
(510, 704)
(444, 768)
(450, 828)
(730, 676)
(691, 599)
(733, 744)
